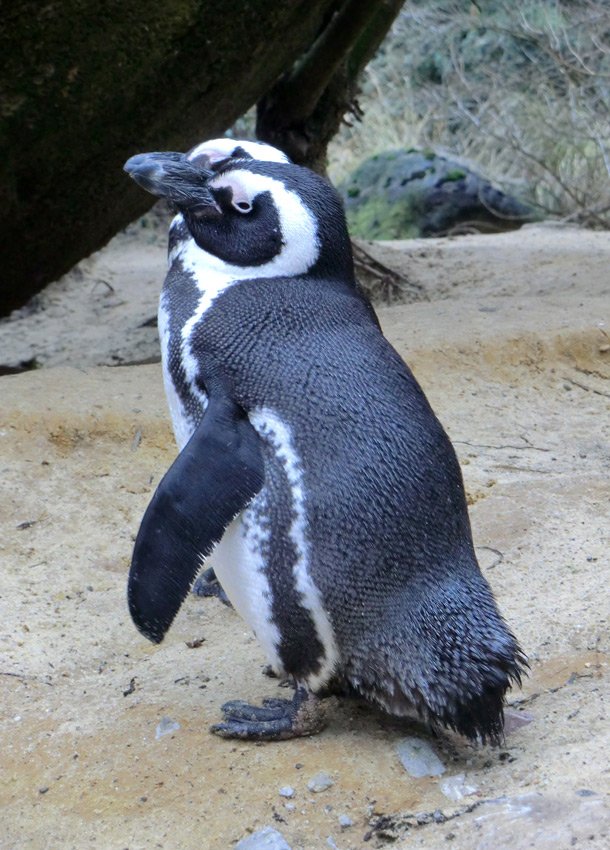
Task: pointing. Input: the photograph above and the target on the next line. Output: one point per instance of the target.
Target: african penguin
(313, 473)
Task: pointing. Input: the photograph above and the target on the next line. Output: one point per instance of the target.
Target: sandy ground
(511, 342)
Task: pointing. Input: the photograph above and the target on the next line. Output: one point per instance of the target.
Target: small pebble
(43, 790)
(331, 842)
(166, 726)
(264, 839)
(456, 787)
(319, 782)
(418, 758)
(286, 791)
(345, 822)
(290, 807)
(514, 720)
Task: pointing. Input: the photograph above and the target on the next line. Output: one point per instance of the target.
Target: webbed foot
(208, 585)
(276, 720)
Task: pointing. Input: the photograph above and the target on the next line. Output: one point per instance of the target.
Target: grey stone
(546, 822)
(286, 791)
(345, 822)
(514, 720)
(418, 758)
(264, 839)
(166, 727)
(319, 782)
(405, 194)
(456, 788)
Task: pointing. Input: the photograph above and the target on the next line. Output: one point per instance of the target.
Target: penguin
(313, 475)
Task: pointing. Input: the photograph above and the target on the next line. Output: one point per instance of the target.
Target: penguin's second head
(247, 205)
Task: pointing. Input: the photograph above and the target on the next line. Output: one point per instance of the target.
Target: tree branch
(298, 92)
(304, 109)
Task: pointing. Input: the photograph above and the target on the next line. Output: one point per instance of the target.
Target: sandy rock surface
(512, 346)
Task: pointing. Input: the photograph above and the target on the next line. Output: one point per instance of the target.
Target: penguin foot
(276, 720)
(208, 585)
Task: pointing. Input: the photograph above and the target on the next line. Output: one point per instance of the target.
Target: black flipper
(215, 476)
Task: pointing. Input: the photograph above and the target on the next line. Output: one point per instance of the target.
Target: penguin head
(218, 152)
(246, 205)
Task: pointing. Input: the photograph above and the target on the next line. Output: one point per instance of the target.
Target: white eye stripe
(219, 149)
(300, 248)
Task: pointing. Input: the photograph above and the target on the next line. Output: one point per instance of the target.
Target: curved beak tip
(134, 162)
(169, 175)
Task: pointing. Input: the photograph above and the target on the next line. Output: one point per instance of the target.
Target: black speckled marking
(178, 232)
(240, 153)
(180, 298)
(300, 650)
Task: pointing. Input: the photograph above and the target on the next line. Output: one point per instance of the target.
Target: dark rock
(409, 194)
(84, 87)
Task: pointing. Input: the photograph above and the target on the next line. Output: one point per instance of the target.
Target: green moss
(353, 192)
(379, 220)
(454, 174)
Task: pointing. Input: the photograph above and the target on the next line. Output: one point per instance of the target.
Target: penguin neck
(333, 260)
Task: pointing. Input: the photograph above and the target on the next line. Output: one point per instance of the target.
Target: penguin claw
(240, 710)
(264, 730)
(208, 585)
(276, 720)
(276, 702)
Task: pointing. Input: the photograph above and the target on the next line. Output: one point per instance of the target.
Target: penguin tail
(445, 654)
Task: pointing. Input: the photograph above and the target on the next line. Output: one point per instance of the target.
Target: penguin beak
(170, 175)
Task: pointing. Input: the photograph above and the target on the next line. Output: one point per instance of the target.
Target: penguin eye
(243, 206)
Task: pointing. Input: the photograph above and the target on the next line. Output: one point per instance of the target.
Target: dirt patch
(518, 371)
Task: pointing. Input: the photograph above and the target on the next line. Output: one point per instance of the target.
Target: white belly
(240, 568)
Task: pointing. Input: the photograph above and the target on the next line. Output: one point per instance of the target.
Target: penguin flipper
(275, 720)
(215, 476)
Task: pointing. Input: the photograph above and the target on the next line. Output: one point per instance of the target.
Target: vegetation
(519, 88)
